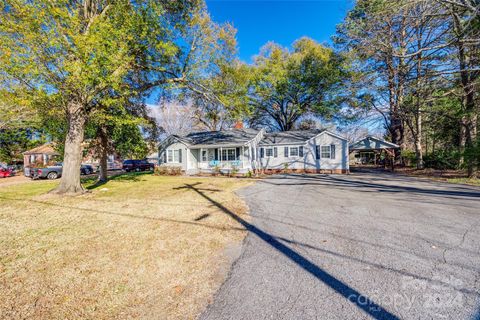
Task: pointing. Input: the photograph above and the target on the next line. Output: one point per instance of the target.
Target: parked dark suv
(137, 165)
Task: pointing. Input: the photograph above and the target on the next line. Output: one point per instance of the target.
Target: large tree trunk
(103, 175)
(70, 182)
(469, 119)
(419, 153)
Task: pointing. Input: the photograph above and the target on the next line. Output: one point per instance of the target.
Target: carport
(373, 151)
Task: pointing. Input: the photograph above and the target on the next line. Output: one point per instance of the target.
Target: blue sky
(282, 21)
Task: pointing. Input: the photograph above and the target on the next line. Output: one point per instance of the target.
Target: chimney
(238, 125)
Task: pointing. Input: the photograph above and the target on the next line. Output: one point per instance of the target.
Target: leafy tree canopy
(287, 85)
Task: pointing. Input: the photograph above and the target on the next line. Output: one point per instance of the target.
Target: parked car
(50, 172)
(111, 165)
(6, 172)
(137, 165)
(86, 169)
(55, 172)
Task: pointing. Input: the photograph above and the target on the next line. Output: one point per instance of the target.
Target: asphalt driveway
(362, 246)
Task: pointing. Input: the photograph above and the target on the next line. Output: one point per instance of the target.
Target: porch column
(243, 157)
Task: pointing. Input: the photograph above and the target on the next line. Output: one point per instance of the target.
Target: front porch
(224, 160)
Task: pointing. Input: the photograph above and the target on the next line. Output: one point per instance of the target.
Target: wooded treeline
(418, 64)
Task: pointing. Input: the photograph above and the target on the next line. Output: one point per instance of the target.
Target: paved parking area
(360, 246)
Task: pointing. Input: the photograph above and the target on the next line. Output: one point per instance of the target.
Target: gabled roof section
(226, 137)
(213, 138)
(289, 137)
(46, 148)
(373, 143)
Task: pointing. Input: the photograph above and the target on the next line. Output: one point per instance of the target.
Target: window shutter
(262, 151)
(300, 151)
(216, 155)
(237, 156)
(275, 152)
(285, 152)
(317, 152)
(179, 155)
(332, 151)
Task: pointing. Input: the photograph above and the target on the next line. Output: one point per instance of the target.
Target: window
(174, 155)
(269, 152)
(325, 152)
(204, 155)
(228, 154)
(293, 151)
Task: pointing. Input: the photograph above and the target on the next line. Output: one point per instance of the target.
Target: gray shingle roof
(373, 143)
(227, 137)
(289, 137)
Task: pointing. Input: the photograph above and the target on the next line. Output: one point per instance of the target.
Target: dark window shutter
(216, 155)
(300, 151)
(285, 152)
(261, 152)
(179, 155)
(238, 154)
(275, 152)
(332, 151)
(317, 152)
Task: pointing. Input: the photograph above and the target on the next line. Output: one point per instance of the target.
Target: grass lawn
(140, 246)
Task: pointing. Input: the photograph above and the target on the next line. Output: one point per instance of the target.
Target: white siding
(308, 161)
(191, 157)
(185, 155)
(341, 152)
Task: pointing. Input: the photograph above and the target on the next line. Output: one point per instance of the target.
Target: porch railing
(225, 164)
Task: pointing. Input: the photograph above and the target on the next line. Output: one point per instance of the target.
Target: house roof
(289, 137)
(236, 137)
(227, 137)
(46, 148)
(373, 143)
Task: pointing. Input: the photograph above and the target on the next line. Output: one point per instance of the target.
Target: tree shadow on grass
(195, 221)
(125, 176)
(370, 307)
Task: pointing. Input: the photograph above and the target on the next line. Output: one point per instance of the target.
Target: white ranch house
(246, 150)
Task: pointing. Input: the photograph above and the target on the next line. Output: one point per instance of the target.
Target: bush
(285, 167)
(168, 171)
(234, 171)
(442, 160)
(409, 157)
(249, 174)
(216, 170)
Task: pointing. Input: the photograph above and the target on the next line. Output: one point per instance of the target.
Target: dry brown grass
(133, 248)
(452, 176)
